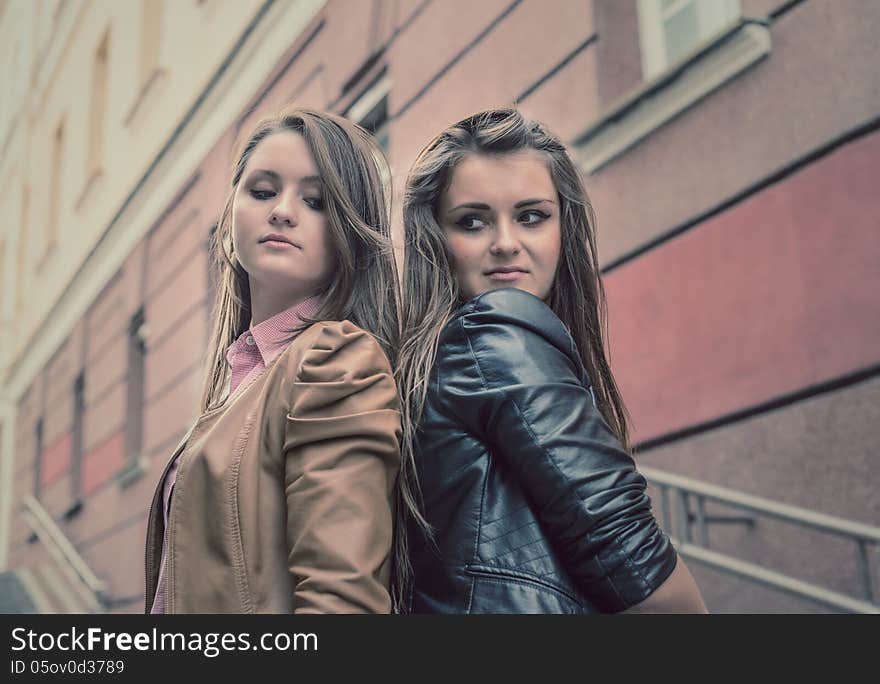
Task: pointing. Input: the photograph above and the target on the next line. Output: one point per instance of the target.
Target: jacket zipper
(151, 527)
(151, 535)
(181, 447)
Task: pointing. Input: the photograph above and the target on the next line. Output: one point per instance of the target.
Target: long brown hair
(364, 288)
(430, 290)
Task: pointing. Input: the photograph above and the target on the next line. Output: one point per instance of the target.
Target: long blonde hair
(431, 292)
(364, 289)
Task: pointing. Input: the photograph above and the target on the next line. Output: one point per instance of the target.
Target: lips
(506, 270)
(506, 274)
(275, 238)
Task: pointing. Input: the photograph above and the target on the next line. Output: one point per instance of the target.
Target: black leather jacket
(536, 507)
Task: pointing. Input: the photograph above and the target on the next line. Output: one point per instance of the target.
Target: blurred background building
(731, 151)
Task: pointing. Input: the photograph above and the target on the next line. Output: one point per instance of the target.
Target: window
(38, 456)
(671, 29)
(151, 25)
(134, 406)
(12, 100)
(150, 75)
(370, 110)
(717, 47)
(55, 189)
(58, 5)
(97, 121)
(22, 266)
(79, 409)
(135, 463)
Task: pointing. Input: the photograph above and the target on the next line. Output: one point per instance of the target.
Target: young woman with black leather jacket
(529, 500)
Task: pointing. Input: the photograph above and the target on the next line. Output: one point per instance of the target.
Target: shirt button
(249, 340)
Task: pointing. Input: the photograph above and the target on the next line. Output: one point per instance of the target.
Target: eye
(315, 203)
(472, 222)
(533, 217)
(262, 193)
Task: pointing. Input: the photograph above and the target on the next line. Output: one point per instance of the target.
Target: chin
(476, 292)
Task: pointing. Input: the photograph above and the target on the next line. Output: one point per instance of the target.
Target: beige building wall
(107, 108)
(734, 202)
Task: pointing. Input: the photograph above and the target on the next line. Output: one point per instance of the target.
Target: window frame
(366, 103)
(135, 464)
(39, 434)
(713, 17)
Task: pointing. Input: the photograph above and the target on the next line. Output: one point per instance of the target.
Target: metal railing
(684, 489)
(92, 591)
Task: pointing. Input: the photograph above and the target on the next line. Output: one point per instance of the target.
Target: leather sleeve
(342, 455)
(511, 375)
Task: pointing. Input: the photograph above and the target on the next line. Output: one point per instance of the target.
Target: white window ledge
(658, 101)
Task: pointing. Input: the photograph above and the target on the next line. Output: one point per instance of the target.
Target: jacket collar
(272, 336)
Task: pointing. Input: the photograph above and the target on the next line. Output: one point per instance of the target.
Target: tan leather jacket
(282, 501)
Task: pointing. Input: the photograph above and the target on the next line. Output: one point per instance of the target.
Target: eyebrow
(529, 202)
(471, 205)
(485, 207)
(274, 176)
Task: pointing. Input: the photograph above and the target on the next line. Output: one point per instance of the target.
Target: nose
(505, 240)
(284, 212)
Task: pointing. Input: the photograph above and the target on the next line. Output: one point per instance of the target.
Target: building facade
(729, 149)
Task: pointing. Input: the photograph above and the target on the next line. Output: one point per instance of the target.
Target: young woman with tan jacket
(281, 496)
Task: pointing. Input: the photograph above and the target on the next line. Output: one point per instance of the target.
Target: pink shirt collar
(261, 344)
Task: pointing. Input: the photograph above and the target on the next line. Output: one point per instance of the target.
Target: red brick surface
(774, 295)
(56, 459)
(100, 464)
(819, 81)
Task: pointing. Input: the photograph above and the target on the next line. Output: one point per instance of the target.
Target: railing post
(701, 521)
(90, 588)
(676, 511)
(684, 524)
(864, 570)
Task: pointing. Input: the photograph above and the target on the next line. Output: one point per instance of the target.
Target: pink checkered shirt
(247, 357)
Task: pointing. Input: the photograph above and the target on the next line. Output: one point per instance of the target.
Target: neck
(265, 304)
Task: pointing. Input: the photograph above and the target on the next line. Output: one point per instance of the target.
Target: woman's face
(280, 230)
(501, 219)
